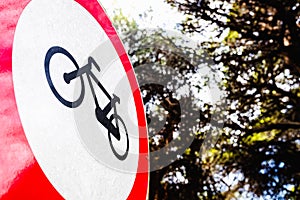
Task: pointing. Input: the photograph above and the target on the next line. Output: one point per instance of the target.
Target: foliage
(258, 152)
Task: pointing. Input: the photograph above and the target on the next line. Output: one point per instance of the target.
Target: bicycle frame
(101, 114)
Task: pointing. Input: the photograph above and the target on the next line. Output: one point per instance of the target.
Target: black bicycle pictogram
(112, 124)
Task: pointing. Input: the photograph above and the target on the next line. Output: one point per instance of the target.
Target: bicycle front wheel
(69, 103)
(123, 132)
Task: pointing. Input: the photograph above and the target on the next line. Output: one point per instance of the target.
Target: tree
(258, 151)
(156, 55)
(261, 68)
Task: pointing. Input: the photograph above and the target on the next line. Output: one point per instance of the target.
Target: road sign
(68, 128)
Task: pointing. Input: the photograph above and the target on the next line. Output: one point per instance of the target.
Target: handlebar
(68, 77)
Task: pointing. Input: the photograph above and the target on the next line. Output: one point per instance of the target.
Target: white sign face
(80, 122)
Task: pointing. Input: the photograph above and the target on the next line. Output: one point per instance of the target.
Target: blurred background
(244, 145)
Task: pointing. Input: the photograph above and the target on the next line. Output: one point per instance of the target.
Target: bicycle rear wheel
(52, 51)
(122, 127)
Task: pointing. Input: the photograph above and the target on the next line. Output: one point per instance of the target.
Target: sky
(162, 15)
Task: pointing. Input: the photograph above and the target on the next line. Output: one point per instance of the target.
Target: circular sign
(67, 61)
